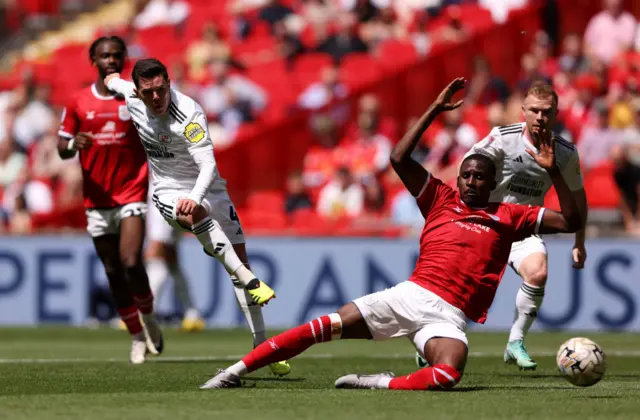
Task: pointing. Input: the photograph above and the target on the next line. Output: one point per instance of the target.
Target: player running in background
(464, 249)
(161, 256)
(98, 127)
(188, 190)
(521, 180)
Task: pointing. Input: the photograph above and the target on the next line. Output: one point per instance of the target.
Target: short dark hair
(542, 89)
(482, 158)
(148, 68)
(115, 39)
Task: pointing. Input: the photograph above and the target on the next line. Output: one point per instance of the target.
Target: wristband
(71, 145)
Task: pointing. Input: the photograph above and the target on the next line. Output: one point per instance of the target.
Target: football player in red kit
(97, 126)
(464, 249)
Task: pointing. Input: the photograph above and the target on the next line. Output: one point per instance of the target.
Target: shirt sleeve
(525, 220)
(572, 174)
(124, 88)
(490, 146)
(200, 147)
(432, 195)
(69, 121)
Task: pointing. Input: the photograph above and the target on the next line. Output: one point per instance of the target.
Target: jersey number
(233, 215)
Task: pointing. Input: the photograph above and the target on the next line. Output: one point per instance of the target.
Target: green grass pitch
(68, 373)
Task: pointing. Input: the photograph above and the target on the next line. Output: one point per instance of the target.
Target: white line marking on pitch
(480, 354)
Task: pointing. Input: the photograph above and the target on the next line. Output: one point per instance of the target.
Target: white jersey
(520, 179)
(171, 141)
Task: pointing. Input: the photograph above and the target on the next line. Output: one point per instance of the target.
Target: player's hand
(546, 156)
(110, 77)
(83, 141)
(444, 99)
(579, 256)
(186, 207)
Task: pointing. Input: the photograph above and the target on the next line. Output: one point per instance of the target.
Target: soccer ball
(581, 361)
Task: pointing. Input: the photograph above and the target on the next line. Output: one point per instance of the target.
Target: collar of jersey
(468, 206)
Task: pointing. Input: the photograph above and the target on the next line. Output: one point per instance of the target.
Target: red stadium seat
(602, 191)
(395, 55)
(266, 201)
(357, 70)
(308, 67)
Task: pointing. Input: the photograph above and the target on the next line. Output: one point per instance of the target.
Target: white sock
(239, 369)
(158, 274)
(181, 288)
(384, 383)
(528, 301)
(253, 314)
(216, 244)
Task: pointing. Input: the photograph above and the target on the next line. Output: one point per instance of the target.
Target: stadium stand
(324, 88)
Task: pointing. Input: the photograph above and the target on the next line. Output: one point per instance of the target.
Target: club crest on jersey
(194, 132)
(164, 138)
(91, 115)
(123, 113)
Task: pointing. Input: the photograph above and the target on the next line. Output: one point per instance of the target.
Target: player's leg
(107, 249)
(103, 229)
(161, 256)
(441, 340)
(215, 243)
(347, 322)
(529, 259)
(132, 230)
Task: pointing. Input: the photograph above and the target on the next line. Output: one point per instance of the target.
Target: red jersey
(464, 251)
(114, 168)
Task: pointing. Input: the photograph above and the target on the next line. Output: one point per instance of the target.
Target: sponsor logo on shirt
(123, 113)
(194, 132)
(526, 186)
(164, 138)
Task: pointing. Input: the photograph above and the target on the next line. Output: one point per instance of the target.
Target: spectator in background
(529, 72)
(297, 197)
(233, 98)
(274, 12)
(626, 158)
(12, 162)
(202, 52)
(541, 49)
(322, 93)
(450, 145)
(485, 88)
(381, 28)
(572, 60)
(374, 197)
(162, 12)
(369, 110)
(500, 8)
(178, 77)
(421, 38)
(33, 115)
(367, 153)
(579, 114)
(289, 45)
(341, 197)
(610, 32)
(345, 41)
(597, 140)
(321, 160)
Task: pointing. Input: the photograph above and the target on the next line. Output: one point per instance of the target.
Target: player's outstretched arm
(114, 83)
(570, 220)
(411, 172)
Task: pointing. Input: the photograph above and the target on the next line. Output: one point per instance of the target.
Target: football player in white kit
(188, 190)
(520, 180)
(162, 260)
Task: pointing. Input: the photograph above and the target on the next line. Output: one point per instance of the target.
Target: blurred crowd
(346, 173)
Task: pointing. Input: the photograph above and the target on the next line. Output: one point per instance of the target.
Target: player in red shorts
(464, 248)
(98, 127)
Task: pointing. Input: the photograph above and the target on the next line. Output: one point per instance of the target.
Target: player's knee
(537, 277)
(130, 258)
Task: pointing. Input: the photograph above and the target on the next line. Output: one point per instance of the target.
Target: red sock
(131, 319)
(144, 303)
(292, 342)
(432, 377)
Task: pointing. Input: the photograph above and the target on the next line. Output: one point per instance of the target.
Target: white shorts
(107, 221)
(408, 310)
(521, 250)
(218, 205)
(158, 230)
